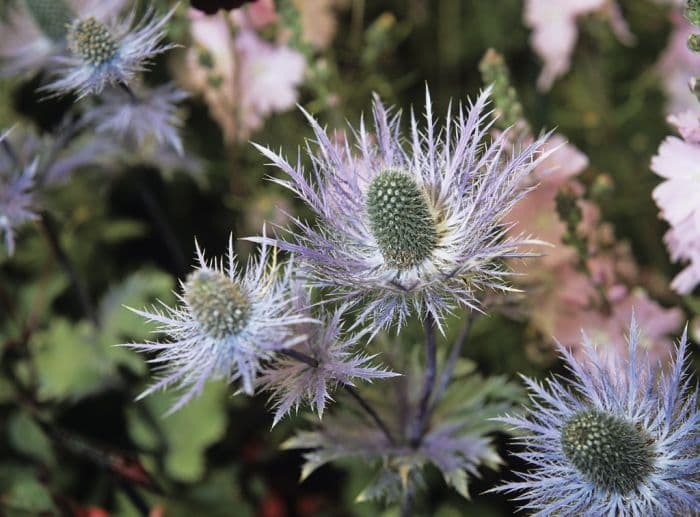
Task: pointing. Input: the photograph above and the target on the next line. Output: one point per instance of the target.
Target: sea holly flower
(617, 440)
(331, 360)
(107, 53)
(409, 227)
(228, 321)
(141, 115)
(17, 196)
(35, 30)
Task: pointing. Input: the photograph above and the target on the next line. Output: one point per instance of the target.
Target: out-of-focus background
(605, 75)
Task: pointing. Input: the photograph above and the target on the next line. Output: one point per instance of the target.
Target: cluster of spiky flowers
(107, 52)
(409, 227)
(315, 367)
(622, 440)
(228, 322)
(17, 203)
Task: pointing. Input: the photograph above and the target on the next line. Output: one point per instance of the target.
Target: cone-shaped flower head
(409, 224)
(621, 439)
(107, 53)
(228, 321)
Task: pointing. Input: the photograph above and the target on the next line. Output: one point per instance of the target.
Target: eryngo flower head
(107, 53)
(146, 115)
(17, 202)
(293, 382)
(409, 225)
(35, 30)
(618, 440)
(228, 321)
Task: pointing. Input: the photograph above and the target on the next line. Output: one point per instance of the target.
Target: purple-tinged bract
(409, 224)
(292, 382)
(617, 440)
(228, 321)
(147, 115)
(108, 53)
(17, 199)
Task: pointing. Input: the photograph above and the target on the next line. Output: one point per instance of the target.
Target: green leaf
(25, 493)
(138, 290)
(188, 432)
(27, 437)
(73, 361)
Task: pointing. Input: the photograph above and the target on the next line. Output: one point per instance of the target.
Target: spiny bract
(621, 439)
(409, 227)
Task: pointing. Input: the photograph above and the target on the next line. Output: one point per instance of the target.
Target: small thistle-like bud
(219, 304)
(608, 451)
(400, 219)
(51, 16)
(92, 41)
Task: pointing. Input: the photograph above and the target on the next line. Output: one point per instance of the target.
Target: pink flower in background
(536, 213)
(268, 80)
(243, 78)
(678, 197)
(677, 65)
(554, 31)
(563, 298)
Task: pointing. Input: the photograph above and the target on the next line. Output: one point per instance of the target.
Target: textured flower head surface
(292, 382)
(107, 53)
(228, 321)
(17, 203)
(35, 30)
(147, 115)
(614, 441)
(409, 225)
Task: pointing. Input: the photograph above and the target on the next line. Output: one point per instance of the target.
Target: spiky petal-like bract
(149, 114)
(409, 226)
(227, 322)
(17, 203)
(107, 53)
(292, 382)
(620, 440)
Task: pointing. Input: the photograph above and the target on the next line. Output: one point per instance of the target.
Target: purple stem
(429, 382)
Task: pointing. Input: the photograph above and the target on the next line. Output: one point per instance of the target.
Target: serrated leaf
(188, 432)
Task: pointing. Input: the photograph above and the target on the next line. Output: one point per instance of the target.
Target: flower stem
(64, 260)
(307, 359)
(455, 352)
(430, 370)
(164, 228)
(299, 356)
(365, 405)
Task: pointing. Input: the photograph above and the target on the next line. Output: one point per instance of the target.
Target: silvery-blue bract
(618, 439)
(408, 224)
(107, 53)
(228, 321)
